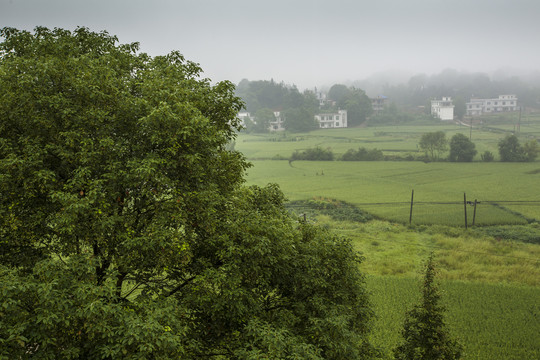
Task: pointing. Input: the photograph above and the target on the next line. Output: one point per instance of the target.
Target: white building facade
(503, 103)
(277, 124)
(332, 120)
(443, 109)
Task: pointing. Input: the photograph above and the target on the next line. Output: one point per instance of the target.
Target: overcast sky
(308, 42)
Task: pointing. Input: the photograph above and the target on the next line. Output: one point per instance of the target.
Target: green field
(490, 283)
(492, 321)
(385, 188)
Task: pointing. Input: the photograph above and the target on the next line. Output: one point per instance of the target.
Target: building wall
(503, 103)
(277, 125)
(332, 120)
(443, 109)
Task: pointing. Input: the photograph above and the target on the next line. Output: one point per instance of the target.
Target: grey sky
(308, 42)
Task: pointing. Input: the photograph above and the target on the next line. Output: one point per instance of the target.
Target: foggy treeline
(417, 90)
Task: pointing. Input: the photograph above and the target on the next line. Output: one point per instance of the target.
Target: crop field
(490, 287)
(491, 321)
(507, 193)
(390, 139)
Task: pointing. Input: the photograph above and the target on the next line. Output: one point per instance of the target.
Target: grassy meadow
(489, 273)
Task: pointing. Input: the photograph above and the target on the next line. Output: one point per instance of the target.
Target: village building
(378, 103)
(332, 120)
(443, 109)
(503, 103)
(277, 124)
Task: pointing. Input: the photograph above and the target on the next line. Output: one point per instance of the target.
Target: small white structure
(443, 109)
(243, 116)
(277, 124)
(332, 120)
(503, 103)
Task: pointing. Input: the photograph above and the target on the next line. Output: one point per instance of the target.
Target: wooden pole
(474, 213)
(410, 213)
(465, 207)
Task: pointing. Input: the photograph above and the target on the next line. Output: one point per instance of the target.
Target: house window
(337, 117)
(337, 124)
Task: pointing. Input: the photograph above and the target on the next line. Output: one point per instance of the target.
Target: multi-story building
(443, 109)
(332, 120)
(378, 103)
(503, 103)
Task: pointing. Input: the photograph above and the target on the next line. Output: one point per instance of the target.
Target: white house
(503, 103)
(332, 120)
(277, 124)
(443, 109)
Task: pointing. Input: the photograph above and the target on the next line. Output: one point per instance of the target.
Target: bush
(363, 154)
(487, 156)
(461, 149)
(314, 154)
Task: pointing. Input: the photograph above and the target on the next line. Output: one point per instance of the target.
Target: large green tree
(461, 148)
(434, 144)
(511, 150)
(300, 120)
(355, 101)
(125, 230)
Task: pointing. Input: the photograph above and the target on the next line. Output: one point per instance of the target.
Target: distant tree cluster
(511, 150)
(298, 108)
(462, 149)
(263, 97)
(355, 101)
(460, 85)
(313, 154)
(363, 154)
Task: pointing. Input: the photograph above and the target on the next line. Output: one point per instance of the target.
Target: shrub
(314, 154)
(363, 154)
(487, 156)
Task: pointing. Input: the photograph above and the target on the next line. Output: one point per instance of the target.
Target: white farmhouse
(277, 124)
(443, 109)
(503, 103)
(332, 120)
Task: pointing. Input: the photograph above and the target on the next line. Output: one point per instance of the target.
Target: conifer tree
(424, 332)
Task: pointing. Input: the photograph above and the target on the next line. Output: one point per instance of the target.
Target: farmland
(489, 273)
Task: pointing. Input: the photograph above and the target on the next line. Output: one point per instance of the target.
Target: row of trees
(462, 149)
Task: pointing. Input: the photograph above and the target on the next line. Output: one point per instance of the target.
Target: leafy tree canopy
(355, 101)
(511, 150)
(461, 148)
(433, 143)
(300, 120)
(125, 230)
